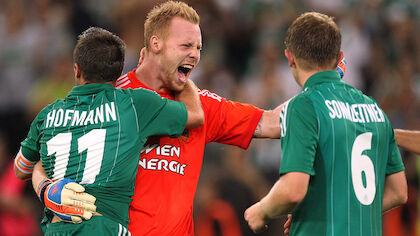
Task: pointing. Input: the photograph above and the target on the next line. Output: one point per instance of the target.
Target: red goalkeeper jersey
(169, 168)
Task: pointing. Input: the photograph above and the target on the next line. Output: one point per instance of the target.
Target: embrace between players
(93, 140)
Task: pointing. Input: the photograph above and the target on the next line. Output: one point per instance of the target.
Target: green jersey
(94, 136)
(341, 138)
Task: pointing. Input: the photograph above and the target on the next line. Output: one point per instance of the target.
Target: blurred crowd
(242, 60)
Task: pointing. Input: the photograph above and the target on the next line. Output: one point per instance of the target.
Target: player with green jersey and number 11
(340, 166)
(94, 136)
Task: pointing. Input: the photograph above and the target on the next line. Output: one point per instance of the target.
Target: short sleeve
(30, 146)
(157, 115)
(299, 139)
(394, 163)
(229, 122)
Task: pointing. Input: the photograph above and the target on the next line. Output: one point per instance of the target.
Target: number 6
(362, 163)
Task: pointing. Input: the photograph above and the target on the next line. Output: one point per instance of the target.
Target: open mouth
(184, 71)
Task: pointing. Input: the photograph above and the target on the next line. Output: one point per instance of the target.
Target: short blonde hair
(158, 19)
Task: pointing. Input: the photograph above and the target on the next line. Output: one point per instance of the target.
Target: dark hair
(315, 40)
(100, 55)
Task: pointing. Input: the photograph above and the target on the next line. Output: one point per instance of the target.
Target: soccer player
(169, 168)
(94, 135)
(340, 166)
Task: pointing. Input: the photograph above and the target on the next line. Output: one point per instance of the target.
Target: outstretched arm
(269, 125)
(190, 97)
(408, 139)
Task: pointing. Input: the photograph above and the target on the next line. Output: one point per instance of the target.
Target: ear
(155, 44)
(290, 58)
(77, 71)
(141, 59)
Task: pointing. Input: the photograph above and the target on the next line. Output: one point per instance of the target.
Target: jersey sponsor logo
(165, 150)
(67, 117)
(162, 164)
(359, 113)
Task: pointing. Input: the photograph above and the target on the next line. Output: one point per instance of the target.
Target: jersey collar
(322, 77)
(87, 89)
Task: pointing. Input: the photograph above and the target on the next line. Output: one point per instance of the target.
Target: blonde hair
(159, 18)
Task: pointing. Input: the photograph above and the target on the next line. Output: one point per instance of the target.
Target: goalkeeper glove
(67, 200)
(341, 67)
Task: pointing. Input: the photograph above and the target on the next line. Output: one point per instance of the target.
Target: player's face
(180, 53)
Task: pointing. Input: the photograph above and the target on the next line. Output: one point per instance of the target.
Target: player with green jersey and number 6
(340, 166)
(94, 137)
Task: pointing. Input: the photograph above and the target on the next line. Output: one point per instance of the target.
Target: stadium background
(242, 60)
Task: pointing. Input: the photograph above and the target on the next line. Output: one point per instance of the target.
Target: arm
(20, 175)
(23, 167)
(269, 125)
(395, 191)
(408, 139)
(190, 97)
(285, 195)
(38, 175)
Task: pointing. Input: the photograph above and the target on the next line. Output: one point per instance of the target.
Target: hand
(256, 219)
(287, 225)
(67, 200)
(341, 67)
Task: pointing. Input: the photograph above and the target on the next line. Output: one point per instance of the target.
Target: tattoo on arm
(257, 131)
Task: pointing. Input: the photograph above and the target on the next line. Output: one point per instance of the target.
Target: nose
(195, 54)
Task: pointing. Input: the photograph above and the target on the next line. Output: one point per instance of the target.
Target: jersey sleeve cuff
(288, 170)
(253, 125)
(23, 164)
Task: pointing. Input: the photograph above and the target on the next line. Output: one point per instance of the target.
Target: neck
(149, 74)
(82, 81)
(303, 75)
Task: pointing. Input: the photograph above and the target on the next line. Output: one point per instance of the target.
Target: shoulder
(210, 101)
(123, 81)
(139, 93)
(301, 101)
(128, 80)
(42, 116)
(209, 96)
(299, 106)
(43, 113)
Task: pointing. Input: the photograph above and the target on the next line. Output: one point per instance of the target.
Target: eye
(186, 45)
